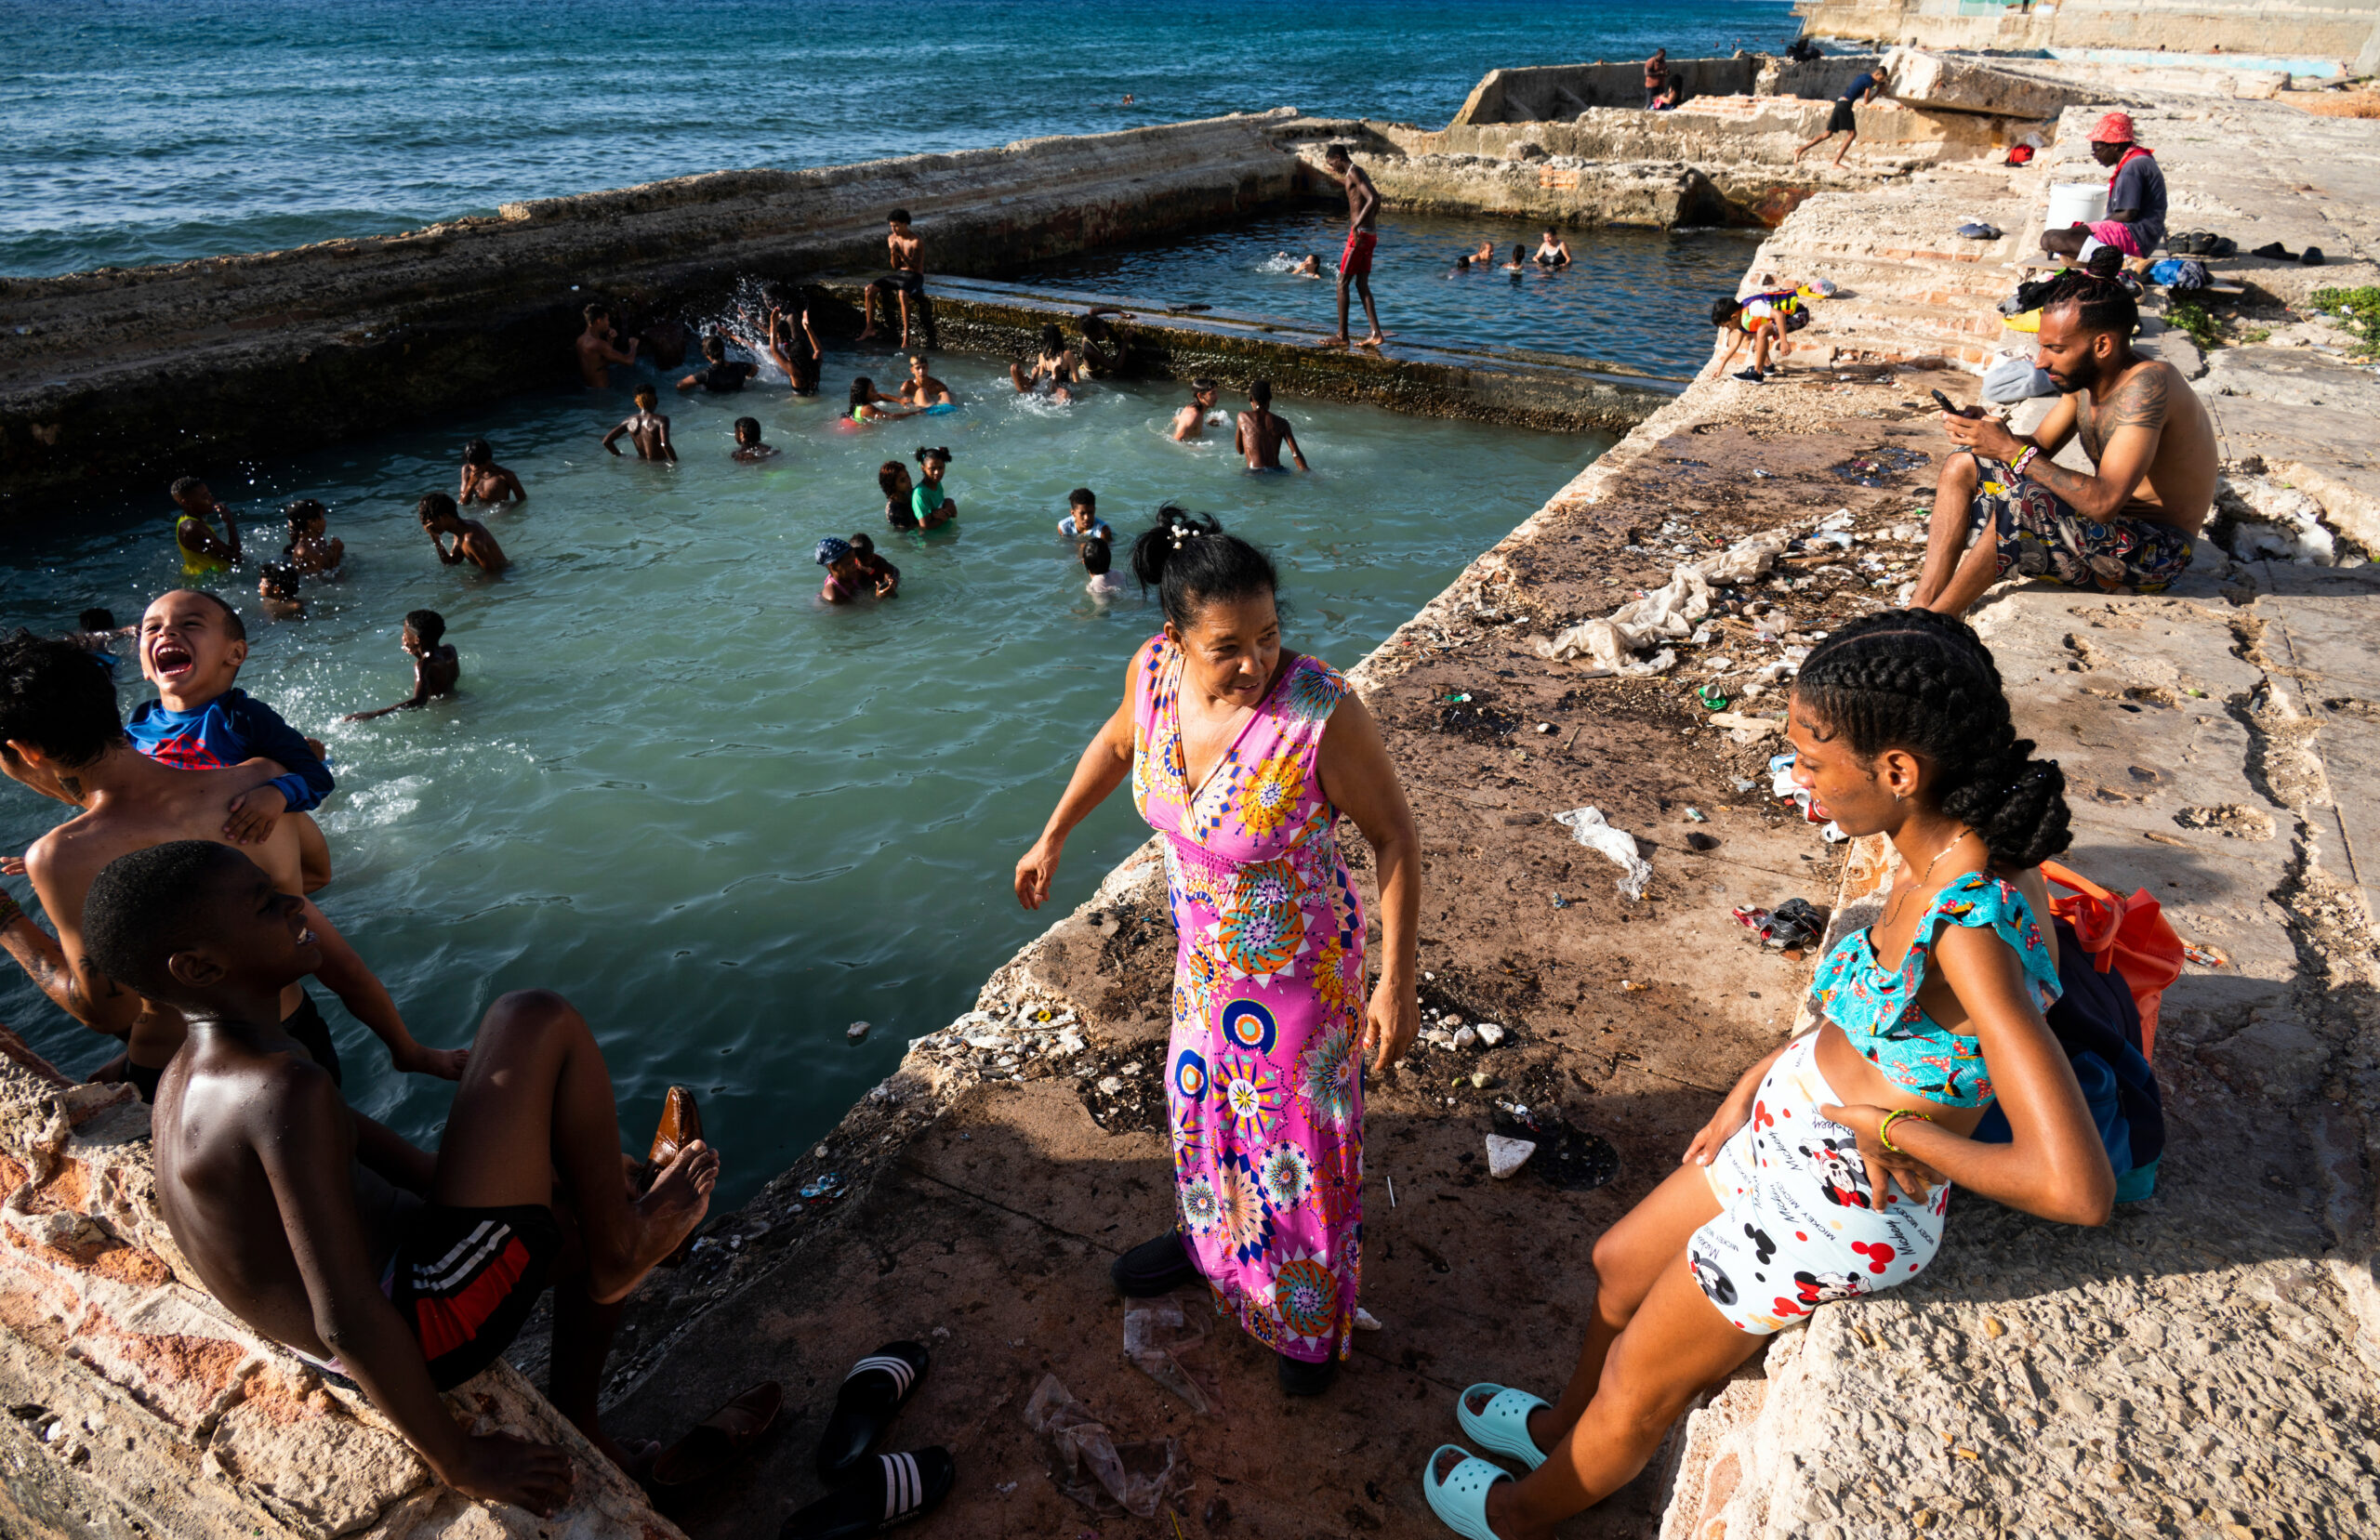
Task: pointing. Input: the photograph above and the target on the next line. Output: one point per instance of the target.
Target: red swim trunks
(1355, 261)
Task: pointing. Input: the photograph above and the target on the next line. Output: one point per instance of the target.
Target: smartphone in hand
(1955, 410)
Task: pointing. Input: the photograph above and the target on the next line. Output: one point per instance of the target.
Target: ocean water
(150, 130)
(725, 818)
(1634, 296)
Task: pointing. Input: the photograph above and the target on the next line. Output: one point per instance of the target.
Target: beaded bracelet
(2033, 452)
(1884, 1129)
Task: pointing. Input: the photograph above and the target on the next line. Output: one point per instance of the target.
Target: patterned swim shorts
(2040, 537)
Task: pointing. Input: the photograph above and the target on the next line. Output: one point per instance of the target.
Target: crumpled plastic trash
(1587, 824)
(1155, 1332)
(1089, 1465)
(1668, 613)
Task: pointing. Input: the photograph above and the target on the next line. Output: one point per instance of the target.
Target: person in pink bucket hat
(2135, 221)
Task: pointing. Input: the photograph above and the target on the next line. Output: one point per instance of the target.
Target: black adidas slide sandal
(892, 1489)
(872, 1395)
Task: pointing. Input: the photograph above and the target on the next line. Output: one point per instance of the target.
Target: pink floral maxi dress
(1262, 1092)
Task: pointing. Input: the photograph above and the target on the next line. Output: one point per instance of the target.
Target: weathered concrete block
(1964, 85)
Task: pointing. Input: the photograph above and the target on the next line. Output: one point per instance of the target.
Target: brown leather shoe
(681, 1125)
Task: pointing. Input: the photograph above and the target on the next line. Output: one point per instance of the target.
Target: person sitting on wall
(292, 1207)
(1672, 96)
(906, 279)
(1859, 93)
(2126, 525)
(2135, 221)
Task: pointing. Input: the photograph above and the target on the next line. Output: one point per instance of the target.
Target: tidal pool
(724, 819)
(1634, 296)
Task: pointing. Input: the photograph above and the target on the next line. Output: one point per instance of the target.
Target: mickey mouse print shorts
(1799, 1224)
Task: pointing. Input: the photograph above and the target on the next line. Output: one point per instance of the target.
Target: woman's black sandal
(872, 1395)
(892, 1489)
(1155, 1267)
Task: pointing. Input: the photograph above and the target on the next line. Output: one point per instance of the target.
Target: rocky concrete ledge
(136, 1405)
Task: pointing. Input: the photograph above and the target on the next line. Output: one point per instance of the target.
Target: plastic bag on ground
(1667, 613)
(1747, 561)
(1155, 1331)
(1089, 1465)
(1587, 824)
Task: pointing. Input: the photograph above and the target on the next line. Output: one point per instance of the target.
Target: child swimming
(309, 548)
(648, 429)
(436, 666)
(1099, 561)
(485, 480)
(845, 580)
(879, 573)
(893, 478)
(277, 592)
(472, 542)
(203, 550)
(1049, 372)
(869, 404)
(1082, 520)
(1520, 259)
(929, 502)
(748, 447)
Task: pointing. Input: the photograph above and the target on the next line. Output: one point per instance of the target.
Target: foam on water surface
(725, 818)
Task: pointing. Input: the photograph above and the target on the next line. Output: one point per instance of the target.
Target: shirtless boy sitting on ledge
(2127, 526)
(293, 1206)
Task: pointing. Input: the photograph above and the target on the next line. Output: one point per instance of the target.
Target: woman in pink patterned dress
(1244, 756)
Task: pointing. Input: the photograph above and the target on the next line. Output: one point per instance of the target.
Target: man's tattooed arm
(2120, 435)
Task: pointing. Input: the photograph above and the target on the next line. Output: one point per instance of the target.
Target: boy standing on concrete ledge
(1355, 259)
(2127, 525)
(292, 1207)
(907, 279)
(1843, 119)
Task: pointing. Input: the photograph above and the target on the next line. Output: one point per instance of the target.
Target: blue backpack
(2099, 1027)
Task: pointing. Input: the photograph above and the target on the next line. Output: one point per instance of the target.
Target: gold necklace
(1924, 876)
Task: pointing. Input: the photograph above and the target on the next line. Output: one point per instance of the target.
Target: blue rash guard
(227, 730)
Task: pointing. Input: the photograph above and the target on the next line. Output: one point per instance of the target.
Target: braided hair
(1191, 563)
(1916, 680)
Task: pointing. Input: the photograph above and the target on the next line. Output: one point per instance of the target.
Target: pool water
(725, 818)
(1634, 296)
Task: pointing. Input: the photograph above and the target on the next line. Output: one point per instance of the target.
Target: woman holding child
(1244, 756)
(1826, 1173)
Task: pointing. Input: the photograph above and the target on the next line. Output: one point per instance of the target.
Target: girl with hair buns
(1244, 754)
(1826, 1173)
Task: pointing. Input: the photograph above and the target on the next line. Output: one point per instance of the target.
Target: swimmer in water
(1520, 259)
(1553, 250)
(927, 500)
(1309, 267)
(750, 450)
(277, 592)
(646, 428)
(1082, 520)
(485, 480)
(1099, 559)
(1191, 421)
(879, 573)
(598, 346)
(436, 666)
(311, 549)
(719, 376)
(96, 632)
(921, 388)
(869, 404)
(793, 345)
(892, 476)
(1262, 433)
(1486, 254)
(844, 581)
(203, 550)
(1051, 371)
(472, 542)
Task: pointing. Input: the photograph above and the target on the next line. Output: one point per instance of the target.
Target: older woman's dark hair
(1192, 563)
(1916, 680)
(52, 697)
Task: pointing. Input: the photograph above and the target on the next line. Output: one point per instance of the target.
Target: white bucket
(2073, 203)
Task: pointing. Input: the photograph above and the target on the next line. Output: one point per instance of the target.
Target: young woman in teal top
(1826, 1173)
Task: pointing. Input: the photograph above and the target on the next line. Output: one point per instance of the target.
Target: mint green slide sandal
(1461, 1499)
(1502, 1425)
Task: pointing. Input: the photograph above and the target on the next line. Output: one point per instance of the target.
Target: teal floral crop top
(1877, 1009)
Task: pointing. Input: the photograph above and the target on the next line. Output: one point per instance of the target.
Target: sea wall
(2342, 31)
(125, 372)
(1549, 91)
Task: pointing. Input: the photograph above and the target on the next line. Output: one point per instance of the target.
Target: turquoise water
(1637, 296)
(146, 130)
(724, 818)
